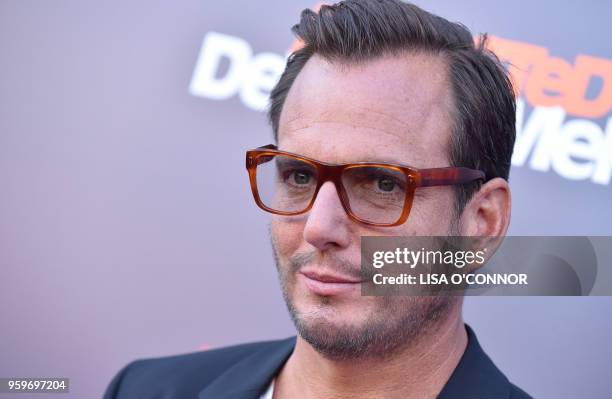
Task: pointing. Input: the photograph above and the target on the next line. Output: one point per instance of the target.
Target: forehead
(395, 108)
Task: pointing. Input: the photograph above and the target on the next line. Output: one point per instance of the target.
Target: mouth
(327, 284)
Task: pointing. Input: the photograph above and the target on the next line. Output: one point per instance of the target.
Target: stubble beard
(396, 322)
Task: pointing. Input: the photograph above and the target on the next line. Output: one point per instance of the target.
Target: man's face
(394, 109)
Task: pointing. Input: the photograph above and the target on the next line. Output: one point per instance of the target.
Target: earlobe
(488, 211)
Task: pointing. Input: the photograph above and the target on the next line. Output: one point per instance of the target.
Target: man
(385, 82)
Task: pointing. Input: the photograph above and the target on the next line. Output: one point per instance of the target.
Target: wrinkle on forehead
(354, 118)
(408, 99)
(333, 142)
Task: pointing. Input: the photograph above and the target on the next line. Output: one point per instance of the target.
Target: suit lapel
(249, 378)
(476, 376)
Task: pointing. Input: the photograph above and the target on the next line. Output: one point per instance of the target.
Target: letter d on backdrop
(214, 47)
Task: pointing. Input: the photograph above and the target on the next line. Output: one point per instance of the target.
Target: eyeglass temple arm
(449, 176)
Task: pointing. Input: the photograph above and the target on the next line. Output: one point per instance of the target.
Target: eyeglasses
(376, 194)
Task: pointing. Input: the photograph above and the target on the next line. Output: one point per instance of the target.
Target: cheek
(431, 213)
(287, 235)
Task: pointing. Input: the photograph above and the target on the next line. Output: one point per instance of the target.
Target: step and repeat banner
(128, 229)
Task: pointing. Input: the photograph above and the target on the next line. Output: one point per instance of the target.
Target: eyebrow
(385, 160)
(289, 162)
(381, 158)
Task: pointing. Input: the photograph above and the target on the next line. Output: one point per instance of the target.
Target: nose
(328, 225)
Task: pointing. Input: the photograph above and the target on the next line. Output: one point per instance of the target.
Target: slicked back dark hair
(355, 31)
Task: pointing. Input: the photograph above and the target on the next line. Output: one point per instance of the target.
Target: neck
(418, 370)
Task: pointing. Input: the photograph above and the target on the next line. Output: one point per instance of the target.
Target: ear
(488, 211)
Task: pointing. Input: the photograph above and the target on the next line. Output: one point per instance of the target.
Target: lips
(328, 278)
(329, 284)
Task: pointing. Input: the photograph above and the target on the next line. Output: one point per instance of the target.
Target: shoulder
(180, 375)
(518, 393)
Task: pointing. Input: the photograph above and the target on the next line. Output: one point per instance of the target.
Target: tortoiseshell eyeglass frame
(446, 176)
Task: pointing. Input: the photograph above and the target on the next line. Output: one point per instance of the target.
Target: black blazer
(245, 371)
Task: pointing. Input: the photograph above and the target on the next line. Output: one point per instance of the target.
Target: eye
(300, 177)
(386, 184)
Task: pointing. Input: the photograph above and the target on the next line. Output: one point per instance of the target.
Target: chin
(355, 330)
(339, 339)
(334, 311)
